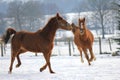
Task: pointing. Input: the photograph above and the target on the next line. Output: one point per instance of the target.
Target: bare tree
(25, 14)
(32, 12)
(81, 7)
(14, 11)
(2, 16)
(51, 8)
(117, 10)
(100, 8)
(2, 23)
(99, 13)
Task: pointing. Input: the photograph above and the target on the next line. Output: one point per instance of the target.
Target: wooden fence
(69, 41)
(98, 40)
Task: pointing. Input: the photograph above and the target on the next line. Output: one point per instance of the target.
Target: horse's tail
(9, 33)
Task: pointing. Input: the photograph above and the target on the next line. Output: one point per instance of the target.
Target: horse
(83, 38)
(39, 41)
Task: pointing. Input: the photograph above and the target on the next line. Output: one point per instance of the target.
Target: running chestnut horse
(84, 39)
(39, 41)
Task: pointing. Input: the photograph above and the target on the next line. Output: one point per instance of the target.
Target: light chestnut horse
(39, 41)
(83, 39)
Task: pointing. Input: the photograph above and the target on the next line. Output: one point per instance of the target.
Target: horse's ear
(84, 19)
(57, 15)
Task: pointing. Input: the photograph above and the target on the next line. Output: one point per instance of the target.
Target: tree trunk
(101, 19)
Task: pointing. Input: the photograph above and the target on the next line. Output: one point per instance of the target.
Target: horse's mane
(49, 25)
(49, 30)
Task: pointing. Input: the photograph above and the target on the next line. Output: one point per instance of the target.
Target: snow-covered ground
(106, 67)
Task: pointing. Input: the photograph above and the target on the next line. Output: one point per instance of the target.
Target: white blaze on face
(82, 26)
(81, 29)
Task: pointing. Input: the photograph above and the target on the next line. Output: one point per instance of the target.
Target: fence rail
(99, 45)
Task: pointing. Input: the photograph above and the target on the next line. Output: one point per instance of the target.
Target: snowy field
(106, 67)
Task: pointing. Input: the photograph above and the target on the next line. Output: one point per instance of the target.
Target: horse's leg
(43, 68)
(49, 64)
(19, 62)
(86, 55)
(92, 54)
(47, 58)
(12, 61)
(18, 58)
(80, 50)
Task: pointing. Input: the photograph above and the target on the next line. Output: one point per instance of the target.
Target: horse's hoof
(89, 64)
(52, 72)
(18, 65)
(41, 69)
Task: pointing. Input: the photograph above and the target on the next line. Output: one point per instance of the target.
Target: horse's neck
(49, 32)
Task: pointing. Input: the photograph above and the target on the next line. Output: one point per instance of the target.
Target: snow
(106, 67)
(66, 68)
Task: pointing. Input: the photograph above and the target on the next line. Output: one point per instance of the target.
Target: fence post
(73, 46)
(69, 46)
(1, 49)
(35, 54)
(100, 45)
(110, 44)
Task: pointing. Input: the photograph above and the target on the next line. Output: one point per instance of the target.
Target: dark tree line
(29, 15)
(2, 16)
(24, 15)
(118, 14)
(117, 9)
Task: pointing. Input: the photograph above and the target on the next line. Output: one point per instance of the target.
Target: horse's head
(74, 28)
(82, 26)
(62, 23)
